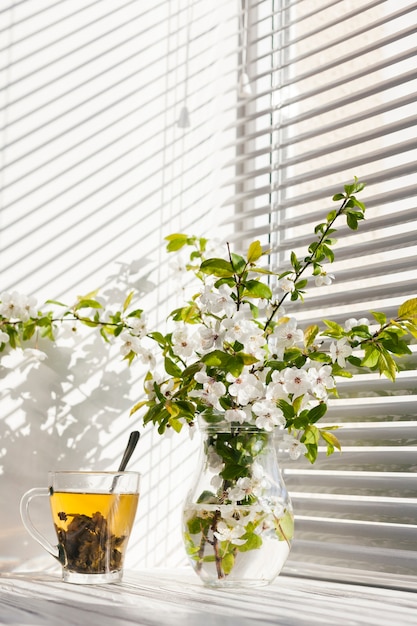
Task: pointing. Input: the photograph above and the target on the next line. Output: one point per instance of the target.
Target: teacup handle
(28, 524)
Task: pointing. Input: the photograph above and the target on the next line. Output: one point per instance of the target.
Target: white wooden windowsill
(177, 597)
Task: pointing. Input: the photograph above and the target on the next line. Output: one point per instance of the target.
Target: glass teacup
(93, 515)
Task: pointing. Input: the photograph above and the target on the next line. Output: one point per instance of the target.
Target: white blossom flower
(230, 534)
(340, 350)
(207, 396)
(270, 308)
(246, 486)
(237, 415)
(218, 300)
(275, 390)
(137, 326)
(167, 387)
(212, 389)
(268, 415)
(238, 327)
(295, 448)
(296, 381)
(245, 388)
(323, 279)
(130, 344)
(254, 341)
(16, 306)
(207, 339)
(259, 480)
(242, 488)
(352, 322)
(285, 336)
(321, 380)
(182, 345)
(29, 306)
(147, 357)
(286, 284)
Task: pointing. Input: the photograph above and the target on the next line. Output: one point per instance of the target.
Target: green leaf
(217, 358)
(228, 562)
(159, 338)
(319, 229)
(253, 542)
(175, 424)
(321, 357)
(311, 435)
(128, 300)
(329, 253)
(395, 345)
(185, 408)
(238, 263)
(371, 356)
(312, 452)
(232, 472)
(331, 440)
(13, 337)
(408, 310)
(176, 242)
(188, 314)
(381, 318)
(87, 304)
(138, 406)
(217, 267)
(310, 334)
(171, 368)
(352, 221)
(195, 525)
(359, 204)
(56, 302)
(207, 497)
(246, 359)
(256, 289)
(335, 330)
(29, 330)
(130, 357)
(135, 313)
(286, 408)
(254, 251)
(387, 366)
(301, 284)
(285, 527)
(227, 362)
(317, 412)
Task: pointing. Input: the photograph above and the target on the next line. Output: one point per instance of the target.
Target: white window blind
(99, 165)
(334, 86)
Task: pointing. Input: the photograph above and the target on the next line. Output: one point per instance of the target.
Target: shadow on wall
(65, 412)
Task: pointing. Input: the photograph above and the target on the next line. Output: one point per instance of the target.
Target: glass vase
(237, 517)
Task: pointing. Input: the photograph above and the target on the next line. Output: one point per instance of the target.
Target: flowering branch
(320, 250)
(226, 351)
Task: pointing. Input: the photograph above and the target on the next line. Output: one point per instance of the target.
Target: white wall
(95, 173)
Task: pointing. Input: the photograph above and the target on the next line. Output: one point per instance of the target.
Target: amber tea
(93, 529)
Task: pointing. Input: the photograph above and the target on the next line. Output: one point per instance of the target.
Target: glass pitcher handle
(28, 524)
